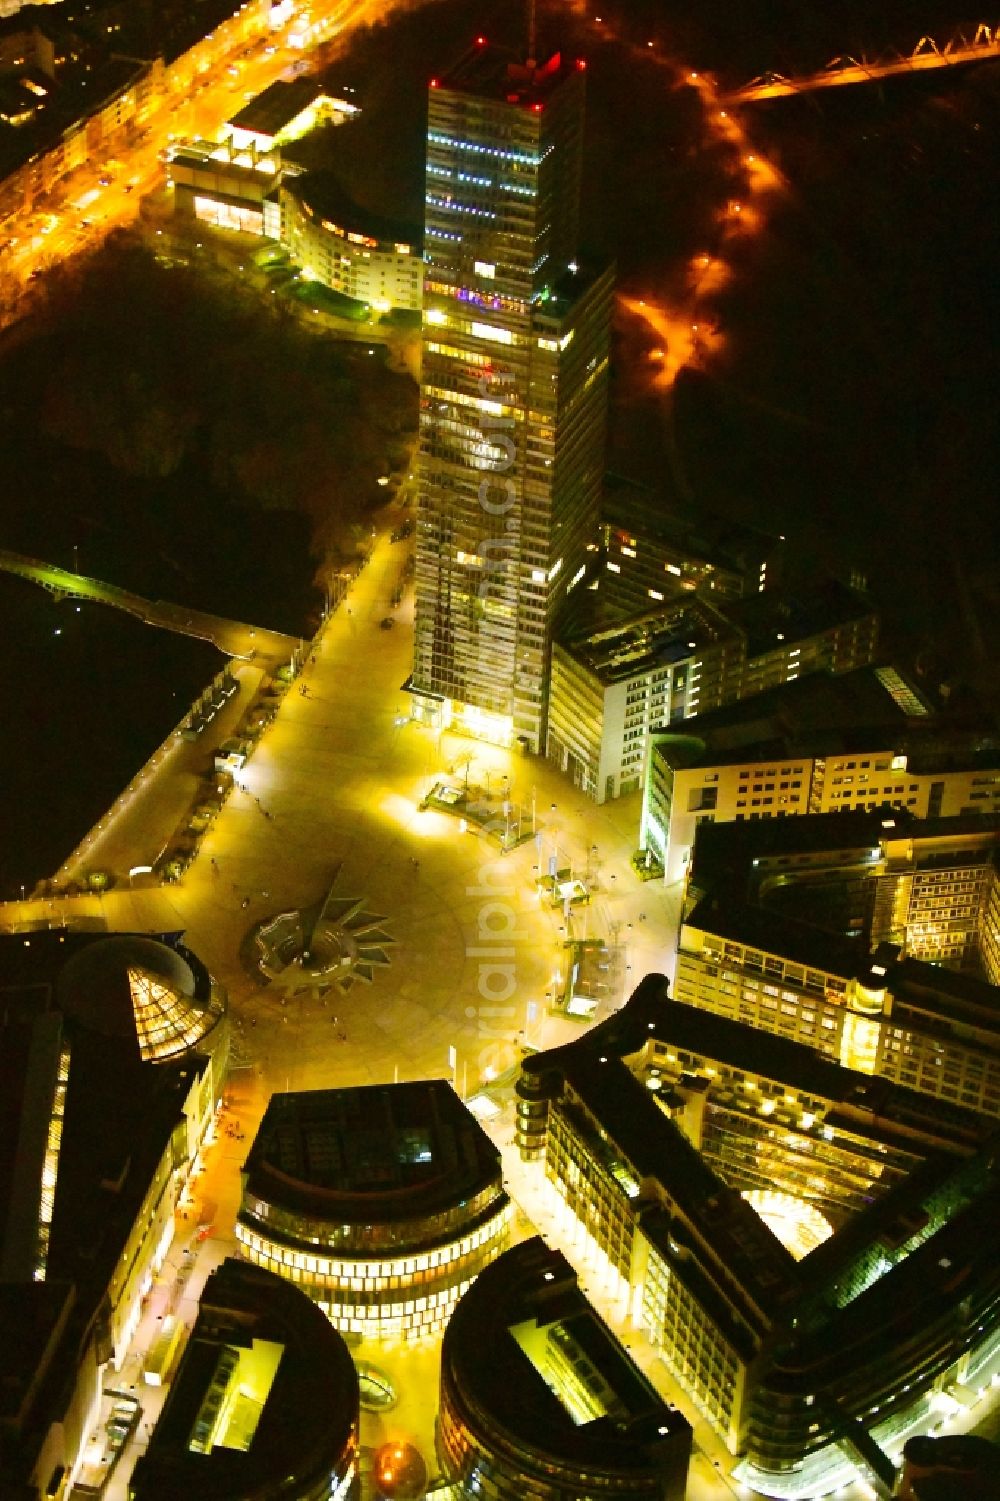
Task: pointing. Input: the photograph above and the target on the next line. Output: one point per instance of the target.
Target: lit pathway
(269, 649)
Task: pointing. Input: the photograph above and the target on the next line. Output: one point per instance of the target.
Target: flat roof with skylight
(265, 1401)
(560, 1401)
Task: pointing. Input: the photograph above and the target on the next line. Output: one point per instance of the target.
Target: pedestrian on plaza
(245, 903)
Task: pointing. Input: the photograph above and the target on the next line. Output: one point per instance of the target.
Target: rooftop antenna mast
(531, 33)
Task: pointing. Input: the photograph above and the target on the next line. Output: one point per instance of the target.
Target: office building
(254, 191)
(612, 686)
(513, 392)
(382, 1203)
(285, 112)
(903, 899)
(364, 256)
(927, 886)
(223, 187)
(264, 1402)
(802, 1243)
(646, 553)
(112, 1059)
(559, 1408)
(823, 744)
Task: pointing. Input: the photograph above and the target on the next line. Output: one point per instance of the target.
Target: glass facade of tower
(513, 392)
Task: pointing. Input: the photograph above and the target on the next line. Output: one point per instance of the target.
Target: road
(84, 208)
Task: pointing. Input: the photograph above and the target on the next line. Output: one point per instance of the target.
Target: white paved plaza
(333, 792)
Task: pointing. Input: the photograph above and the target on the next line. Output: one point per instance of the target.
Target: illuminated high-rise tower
(513, 394)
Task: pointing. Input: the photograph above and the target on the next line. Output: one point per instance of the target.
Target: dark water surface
(89, 692)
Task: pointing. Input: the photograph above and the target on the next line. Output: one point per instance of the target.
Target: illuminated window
(489, 331)
(166, 1023)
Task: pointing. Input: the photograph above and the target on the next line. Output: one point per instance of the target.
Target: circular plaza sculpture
(312, 950)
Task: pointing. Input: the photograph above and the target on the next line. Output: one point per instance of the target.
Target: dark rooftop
(557, 300)
(382, 1152)
(532, 1285)
(32, 1318)
(630, 1122)
(892, 1107)
(775, 617)
(309, 1414)
(681, 629)
(726, 855)
(821, 714)
(325, 195)
(634, 509)
(120, 1112)
(656, 638)
(120, 1118)
(963, 1467)
(493, 72)
(773, 933)
(279, 104)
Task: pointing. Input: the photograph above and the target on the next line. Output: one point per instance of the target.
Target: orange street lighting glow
(761, 175)
(742, 220)
(683, 343)
(706, 275)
